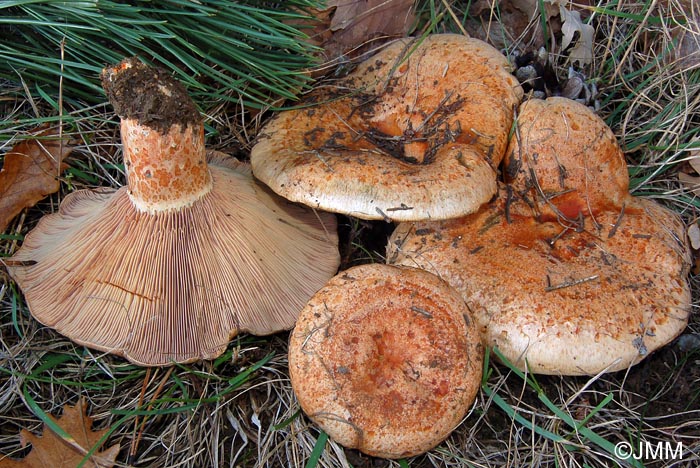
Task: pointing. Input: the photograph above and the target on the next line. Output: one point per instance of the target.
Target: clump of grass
(222, 51)
(651, 97)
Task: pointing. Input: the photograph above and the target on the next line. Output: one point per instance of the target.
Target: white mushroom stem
(165, 171)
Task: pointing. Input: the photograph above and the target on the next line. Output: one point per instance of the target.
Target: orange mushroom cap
(386, 360)
(565, 160)
(415, 132)
(565, 271)
(556, 300)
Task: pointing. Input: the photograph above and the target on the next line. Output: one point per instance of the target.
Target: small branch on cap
(567, 284)
(617, 223)
(403, 206)
(382, 214)
(421, 311)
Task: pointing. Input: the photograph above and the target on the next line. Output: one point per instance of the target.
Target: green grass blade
(242, 377)
(15, 312)
(513, 414)
(46, 419)
(316, 453)
(578, 427)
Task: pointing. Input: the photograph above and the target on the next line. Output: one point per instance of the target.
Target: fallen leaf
(51, 450)
(685, 33)
(688, 174)
(694, 153)
(690, 182)
(355, 23)
(316, 26)
(582, 52)
(510, 21)
(30, 172)
(694, 235)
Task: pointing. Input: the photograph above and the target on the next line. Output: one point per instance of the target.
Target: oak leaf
(582, 51)
(30, 172)
(52, 450)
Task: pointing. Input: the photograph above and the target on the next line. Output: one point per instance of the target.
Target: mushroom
(415, 132)
(565, 272)
(565, 161)
(386, 360)
(186, 256)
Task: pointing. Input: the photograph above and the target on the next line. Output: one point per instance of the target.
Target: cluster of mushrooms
(554, 262)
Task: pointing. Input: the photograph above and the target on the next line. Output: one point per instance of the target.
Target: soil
(149, 95)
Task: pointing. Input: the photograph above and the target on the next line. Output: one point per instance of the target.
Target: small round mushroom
(565, 272)
(415, 132)
(188, 255)
(386, 360)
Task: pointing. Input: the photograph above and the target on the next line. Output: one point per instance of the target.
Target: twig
(382, 214)
(137, 435)
(617, 223)
(421, 311)
(401, 207)
(554, 239)
(567, 284)
(156, 394)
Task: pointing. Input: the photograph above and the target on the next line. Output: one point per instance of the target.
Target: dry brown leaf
(519, 22)
(688, 174)
(315, 25)
(50, 450)
(582, 51)
(694, 235)
(690, 182)
(686, 33)
(356, 22)
(30, 173)
(694, 154)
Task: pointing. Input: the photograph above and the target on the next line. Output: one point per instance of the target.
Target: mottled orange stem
(166, 171)
(162, 136)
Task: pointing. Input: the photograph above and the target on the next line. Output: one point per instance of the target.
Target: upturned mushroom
(170, 267)
(415, 132)
(386, 359)
(565, 272)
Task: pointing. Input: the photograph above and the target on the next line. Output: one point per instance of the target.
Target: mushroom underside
(177, 285)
